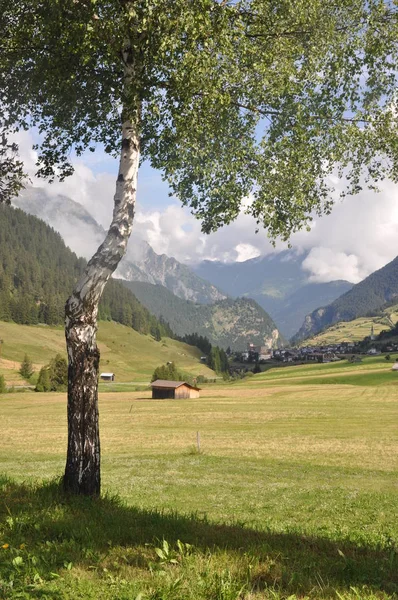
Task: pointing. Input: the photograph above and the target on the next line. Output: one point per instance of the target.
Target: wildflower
(5, 546)
(22, 546)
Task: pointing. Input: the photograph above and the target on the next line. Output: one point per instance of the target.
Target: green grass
(306, 372)
(293, 496)
(131, 356)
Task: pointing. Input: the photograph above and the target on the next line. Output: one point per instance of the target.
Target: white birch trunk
(82, 472)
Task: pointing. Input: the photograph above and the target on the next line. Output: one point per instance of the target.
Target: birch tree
(271, 100)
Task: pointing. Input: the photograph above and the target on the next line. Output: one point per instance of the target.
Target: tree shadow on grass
(47, 528)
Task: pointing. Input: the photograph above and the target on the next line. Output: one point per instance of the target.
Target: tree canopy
(266, 99)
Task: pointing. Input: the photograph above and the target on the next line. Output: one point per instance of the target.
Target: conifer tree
(43, 381)
(26, 369)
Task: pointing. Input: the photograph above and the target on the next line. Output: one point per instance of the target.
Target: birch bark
(82, 471)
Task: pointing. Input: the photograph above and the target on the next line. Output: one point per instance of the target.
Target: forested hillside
(226, 323)
(37, 273)
(366, 298)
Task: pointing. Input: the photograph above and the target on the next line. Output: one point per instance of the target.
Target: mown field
(131, 356)
(293, 496)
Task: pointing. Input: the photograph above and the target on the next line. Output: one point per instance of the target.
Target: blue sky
(153, 191)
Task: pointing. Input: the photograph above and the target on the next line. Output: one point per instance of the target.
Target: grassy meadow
(292, 496)
(132, 356)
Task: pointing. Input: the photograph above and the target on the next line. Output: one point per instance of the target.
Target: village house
(162, 389)
(320, 357)
(257, 353)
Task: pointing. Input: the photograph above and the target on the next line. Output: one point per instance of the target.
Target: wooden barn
(107, 376)
(161, 388)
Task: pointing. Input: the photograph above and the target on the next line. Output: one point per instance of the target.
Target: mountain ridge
(278, 283)
(83, 234)
(365, 298)
(228, 322)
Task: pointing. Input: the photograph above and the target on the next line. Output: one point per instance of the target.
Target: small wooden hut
(107, 376)
(161, 388)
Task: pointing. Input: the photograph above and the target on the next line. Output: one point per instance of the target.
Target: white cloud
(356, 239)
(94, 191)
(246, 252)
(325, 265)
(364, 226)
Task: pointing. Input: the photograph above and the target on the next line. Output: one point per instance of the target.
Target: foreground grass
(60, 547)
(294, 495)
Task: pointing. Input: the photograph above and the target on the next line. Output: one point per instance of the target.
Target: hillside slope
(226, 323)
(355, 330)
(364, 299)
(293, 308)
(130, 355)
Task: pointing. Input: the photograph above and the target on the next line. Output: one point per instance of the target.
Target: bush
(168, 372)
(54, 376)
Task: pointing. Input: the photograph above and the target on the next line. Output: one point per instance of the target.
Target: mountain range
(278, 283)
(224, 321)
(83, 234)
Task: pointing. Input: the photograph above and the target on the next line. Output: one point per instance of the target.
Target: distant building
(161, 389)
(258, 349)
(257, 353)
(355, 359)
(107, 376)
(320, 357)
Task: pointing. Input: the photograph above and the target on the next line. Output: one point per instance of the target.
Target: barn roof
(164, 383)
